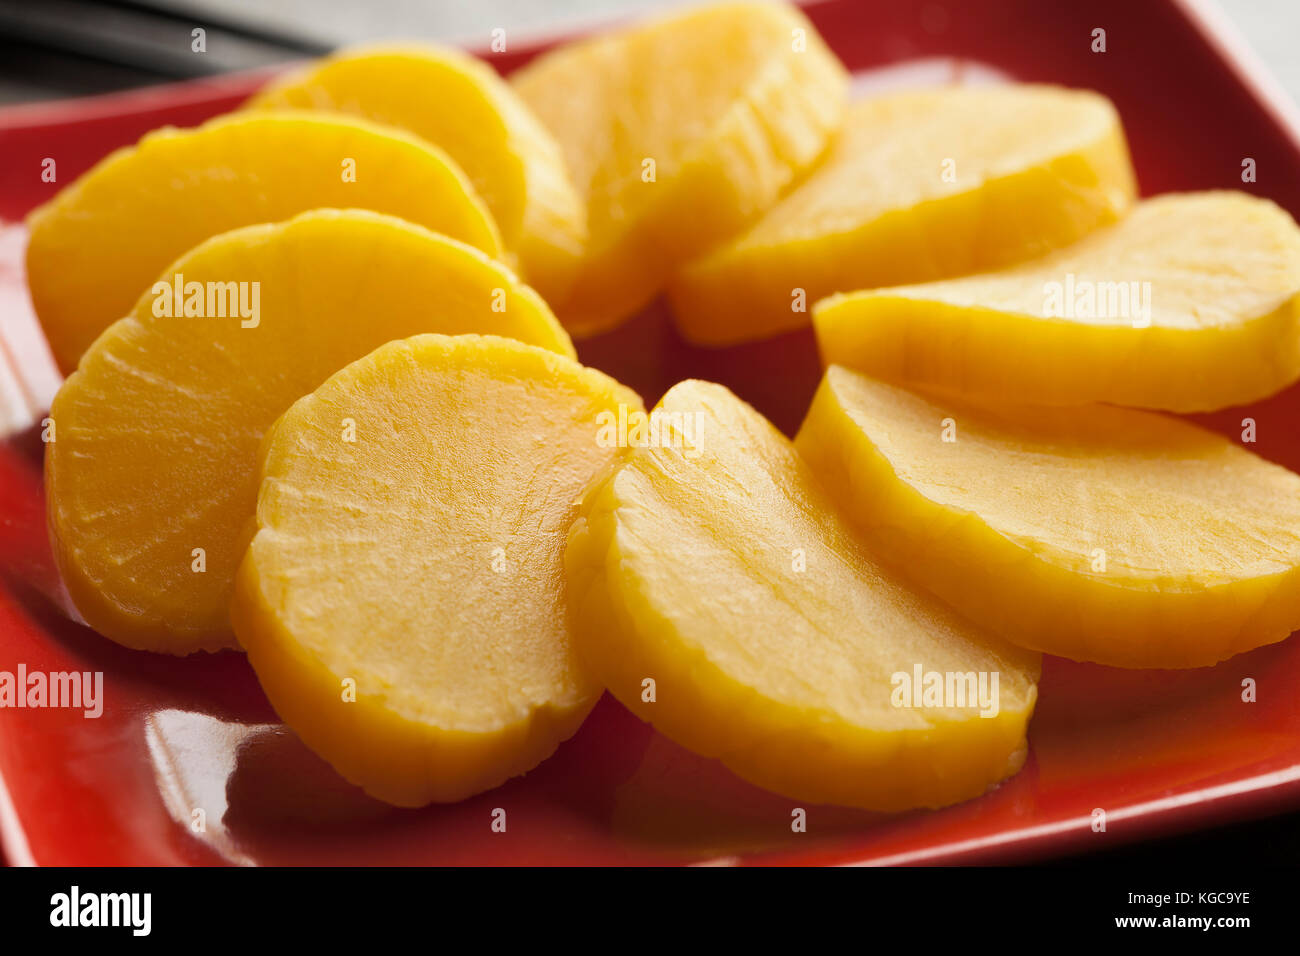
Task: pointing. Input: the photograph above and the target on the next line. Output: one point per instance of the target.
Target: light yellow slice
(1192, 303)
(100, 243)
(151, 480)
(421, 564)
(717, 594)
(1099, 534)
(918, 186)
(678, 133)
(461, 105)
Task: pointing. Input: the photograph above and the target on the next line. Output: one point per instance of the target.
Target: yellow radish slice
(1095, 533)
(98, 245)
(918, 186)
(420, 565)
(1192, 303)
(718, 595)
(461, 105)
(678, 133)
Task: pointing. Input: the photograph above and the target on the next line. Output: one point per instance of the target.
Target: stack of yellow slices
(322, 405)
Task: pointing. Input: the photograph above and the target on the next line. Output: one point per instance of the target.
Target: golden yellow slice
(717, 594)
(423, 563)
(678, 133)
(99, 244)
(460, 104)
(1191, 303)
(918, 186)
(1099, 534)
(151, 480)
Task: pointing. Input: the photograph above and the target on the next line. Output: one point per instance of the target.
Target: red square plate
(1157, 751)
